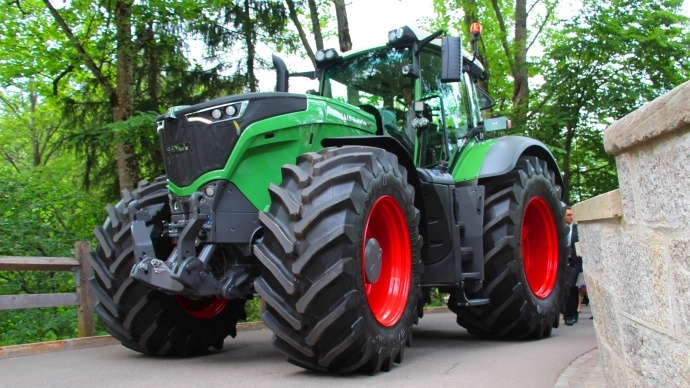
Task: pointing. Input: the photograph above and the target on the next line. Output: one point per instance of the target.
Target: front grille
(192, 149)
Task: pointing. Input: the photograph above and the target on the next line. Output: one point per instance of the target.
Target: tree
(41, 213)
(294, 17)
(120, 94)
(603, 64)
(315, 24)
(103, 76)
(239, 26)
(29, 126)
(343, 26)
(318, 14)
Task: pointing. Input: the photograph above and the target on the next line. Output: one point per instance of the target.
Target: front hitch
(184, 271)
(176, 275)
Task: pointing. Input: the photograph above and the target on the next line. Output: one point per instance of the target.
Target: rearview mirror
(451, 59)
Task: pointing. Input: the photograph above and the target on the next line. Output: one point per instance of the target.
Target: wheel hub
(539, 241)
(386, 260)
(372, 260)
(202, 308)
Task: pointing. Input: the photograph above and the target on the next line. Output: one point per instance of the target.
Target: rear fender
(500, 156)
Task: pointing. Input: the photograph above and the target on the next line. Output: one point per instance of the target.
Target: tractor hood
(198, 139)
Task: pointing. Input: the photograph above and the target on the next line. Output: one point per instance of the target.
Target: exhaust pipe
(282, 74)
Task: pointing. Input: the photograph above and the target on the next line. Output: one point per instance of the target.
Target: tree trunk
(248, 27)
(520, 72)
(35, 142)
(126, 162)
(315, 24)
(517, 58)
(570, 133)
(302, 35)
(120, 99)
(567, 173)
(343, 27)
(148, 42)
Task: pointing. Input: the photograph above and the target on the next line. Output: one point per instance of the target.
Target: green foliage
(41, 214)
(453, 17)
(96, 142)
(598, 67)
(253, 309)
(37, 325)
(438, 298)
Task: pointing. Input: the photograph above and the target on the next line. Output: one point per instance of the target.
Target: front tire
(341, 262)
(141, 318)
(524, 255)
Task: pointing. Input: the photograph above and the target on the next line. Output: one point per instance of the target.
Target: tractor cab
(420, 91)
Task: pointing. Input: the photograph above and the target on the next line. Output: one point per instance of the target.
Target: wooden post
(85, 311)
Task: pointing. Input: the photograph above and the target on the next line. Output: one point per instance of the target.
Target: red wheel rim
(387, 295)
(202, 308)
(539, 241)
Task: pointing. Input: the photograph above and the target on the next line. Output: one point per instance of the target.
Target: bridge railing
(79, 265)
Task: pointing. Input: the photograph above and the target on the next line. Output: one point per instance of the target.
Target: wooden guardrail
(82, 298)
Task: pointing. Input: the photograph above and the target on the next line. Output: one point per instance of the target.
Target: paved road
(443, 355)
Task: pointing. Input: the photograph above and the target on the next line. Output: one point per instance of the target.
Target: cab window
(448, 105)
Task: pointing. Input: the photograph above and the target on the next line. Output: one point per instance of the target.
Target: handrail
(82, 298)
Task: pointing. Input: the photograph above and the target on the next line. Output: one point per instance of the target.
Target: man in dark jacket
(570, 302)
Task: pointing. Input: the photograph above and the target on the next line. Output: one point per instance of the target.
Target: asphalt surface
(443, 355)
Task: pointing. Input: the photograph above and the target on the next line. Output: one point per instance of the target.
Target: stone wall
(635, 243)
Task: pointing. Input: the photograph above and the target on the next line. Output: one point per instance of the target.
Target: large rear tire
(524, 255)
(141, 318)
(341, 264)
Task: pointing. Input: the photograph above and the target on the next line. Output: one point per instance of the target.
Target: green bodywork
(263, 147)
(470, 161)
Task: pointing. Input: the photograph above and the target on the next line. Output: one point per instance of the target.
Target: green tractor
(343, 208)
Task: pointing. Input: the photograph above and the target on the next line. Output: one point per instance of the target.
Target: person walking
(570, 302)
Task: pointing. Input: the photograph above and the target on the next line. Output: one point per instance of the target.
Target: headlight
(220, 113)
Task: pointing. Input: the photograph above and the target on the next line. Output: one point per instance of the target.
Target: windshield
(372, 78)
